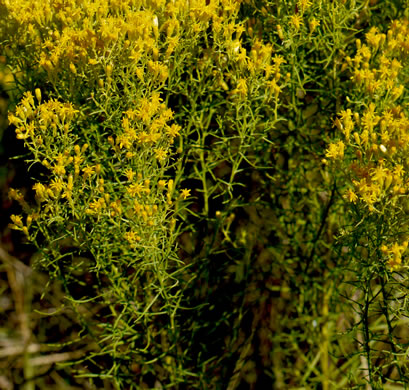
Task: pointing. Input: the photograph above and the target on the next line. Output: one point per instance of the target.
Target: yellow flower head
(335, 150)
(185, 193)
(351, 196)
(314, 23)
(296, 20)
(304, 4)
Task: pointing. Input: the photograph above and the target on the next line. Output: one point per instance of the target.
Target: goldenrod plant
(370, 158)
(219, 187)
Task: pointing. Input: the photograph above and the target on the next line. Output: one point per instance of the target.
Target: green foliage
(220, 186)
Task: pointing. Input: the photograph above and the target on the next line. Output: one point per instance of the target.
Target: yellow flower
(160, 154)
(398, 171)
(17, 220)
(335, 150)
(373, 37)
(241, 88)
(73, 69)
(95, 206)
(135, 189)
(379, 174)
(397, 91)
(278, 60)
(58, 169)
(351, 196)
(41, 191)
(396, 251)
(185, 193)
(132, 237)
(314, 23)
(88, 171)
(129, 174)
(304, 4)
(116, 208)
(296, 21)
(57, 185)
(173, 130)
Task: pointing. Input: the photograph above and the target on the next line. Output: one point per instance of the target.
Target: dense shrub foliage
(220, 186)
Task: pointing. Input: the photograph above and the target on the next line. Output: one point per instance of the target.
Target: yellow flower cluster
(381, 79)
(335, 150)
(259, 63)
(76, 36)
(394, 253)
(375, 145)
(80, 182)
(377, 137)
(39, 125)
(297, 20)
(111, 172)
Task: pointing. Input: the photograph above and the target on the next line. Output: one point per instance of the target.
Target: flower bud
(38, 94)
